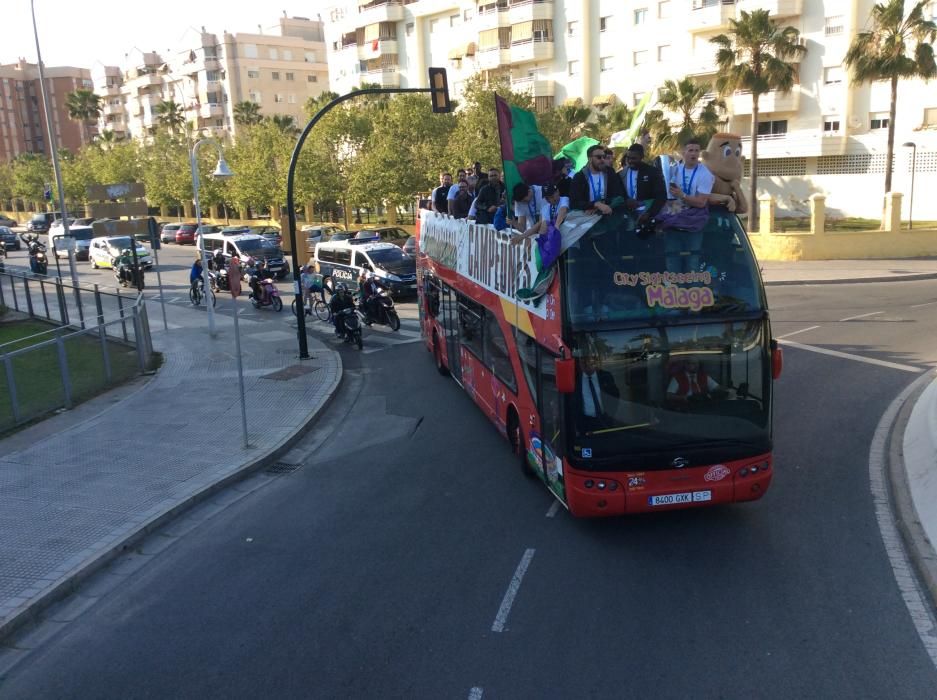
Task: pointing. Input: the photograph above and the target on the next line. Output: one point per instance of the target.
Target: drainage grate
(278, 468)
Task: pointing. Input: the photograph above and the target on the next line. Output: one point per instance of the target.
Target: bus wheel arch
(516, 438)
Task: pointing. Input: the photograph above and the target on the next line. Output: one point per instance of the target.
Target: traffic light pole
(290, 199)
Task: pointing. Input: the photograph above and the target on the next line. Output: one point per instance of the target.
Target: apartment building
(22, 119)
(277, 68)
(602, 51)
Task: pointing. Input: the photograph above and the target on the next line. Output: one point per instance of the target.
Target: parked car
(41, 222)
(11, 240)
(410, 247)
(386, 234)
(366, 237)
(341, 236)
(167, 234)
(104, 249)
(188, 233)
(7, 221)
(318, 234)
(235, 230)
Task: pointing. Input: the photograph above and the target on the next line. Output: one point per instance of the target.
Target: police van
(248, 245)
(343, 261)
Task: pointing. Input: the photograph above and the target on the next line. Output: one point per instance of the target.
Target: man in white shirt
(528, 201)
(683, 224)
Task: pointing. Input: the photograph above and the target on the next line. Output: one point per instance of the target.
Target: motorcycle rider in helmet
(340, 301)
(370, 290)
(123, 263)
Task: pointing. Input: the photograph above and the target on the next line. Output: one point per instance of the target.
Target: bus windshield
(647, 396)
(612, 274)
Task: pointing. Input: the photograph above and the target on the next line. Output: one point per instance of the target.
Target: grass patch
(38, 376)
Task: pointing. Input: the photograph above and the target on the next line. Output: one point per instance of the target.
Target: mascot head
(723, 156)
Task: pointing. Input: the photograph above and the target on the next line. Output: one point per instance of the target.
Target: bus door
(449, 307)
(544, 423)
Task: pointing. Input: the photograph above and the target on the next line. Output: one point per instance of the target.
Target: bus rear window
(614, 275)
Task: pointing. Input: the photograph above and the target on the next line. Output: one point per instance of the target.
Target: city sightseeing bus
(640, 381)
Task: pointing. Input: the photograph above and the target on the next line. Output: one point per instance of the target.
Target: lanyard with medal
(632, 183)
(688, 187)
(596, 190)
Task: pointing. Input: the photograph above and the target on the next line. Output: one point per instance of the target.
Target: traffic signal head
(439, 90)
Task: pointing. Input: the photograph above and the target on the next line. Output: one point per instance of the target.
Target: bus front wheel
(516, 436)
(437, 356)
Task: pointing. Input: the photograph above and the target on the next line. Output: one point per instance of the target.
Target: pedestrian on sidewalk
(234, 276)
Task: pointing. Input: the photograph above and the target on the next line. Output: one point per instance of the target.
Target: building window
(572, 28)
(290, 76)
(640, 15)
(291, 98)
(572, 67)
(408, 29)
(274, 55)
(636, 98)
(310, 56)
(278, 98)
(640, 57)
(250, 50)
(606, 63)
(275, 75)
(256, 97)
(663, 53)
(211, 75)
(833, 75)
(663, 9)
(312, 78)
(930, 116)
(210, 52)
(773, 129)
(604, 23)
(253, 74)
(834, 25)
(453, 20)
(287, 55)
(878, 120)
(830, 125)
(467, 15)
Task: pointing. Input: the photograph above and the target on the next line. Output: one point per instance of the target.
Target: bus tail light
(566, 375)
(777, 360)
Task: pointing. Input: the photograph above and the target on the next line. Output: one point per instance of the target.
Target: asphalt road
(383, 566)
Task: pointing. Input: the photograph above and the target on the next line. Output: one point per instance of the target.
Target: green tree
(610, 120)
(475, 136)
(247, 113)
(118, 162)
(31, 173)
(894, 47)
(699, 113)
(164, 170)
(562, 124)
(285, 123)
(107, 138)
(757, 56)
(77, 174)
(260, 161)
(85, 107)
(6, 184)
(169, 114)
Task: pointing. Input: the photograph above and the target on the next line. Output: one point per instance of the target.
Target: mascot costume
(723, 157)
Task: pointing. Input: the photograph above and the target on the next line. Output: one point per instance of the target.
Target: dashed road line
(857, 358)
(508, 600)
(853, 318)
(476, 694)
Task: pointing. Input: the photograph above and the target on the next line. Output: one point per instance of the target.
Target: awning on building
(372, 32)
(456, 53)
(488, 39)
(470, 48)
(604, 100)
(522, 32)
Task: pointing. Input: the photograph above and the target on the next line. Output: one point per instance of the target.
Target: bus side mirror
(777, 360)
(566, 375)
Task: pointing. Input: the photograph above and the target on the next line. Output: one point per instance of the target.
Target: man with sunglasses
(597, 187)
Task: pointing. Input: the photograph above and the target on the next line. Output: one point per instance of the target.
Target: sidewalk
(78, 487)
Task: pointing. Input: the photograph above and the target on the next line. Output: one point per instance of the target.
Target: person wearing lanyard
(645, 192)
(553, 211)
(597, 187)
(527, 201)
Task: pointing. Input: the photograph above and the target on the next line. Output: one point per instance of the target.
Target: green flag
(525, 152)
(576, 151)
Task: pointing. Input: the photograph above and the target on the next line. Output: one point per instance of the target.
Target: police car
(343, 261)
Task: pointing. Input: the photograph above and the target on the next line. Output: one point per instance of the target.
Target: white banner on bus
(483, 255)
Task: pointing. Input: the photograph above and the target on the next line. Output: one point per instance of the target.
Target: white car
(104, 249)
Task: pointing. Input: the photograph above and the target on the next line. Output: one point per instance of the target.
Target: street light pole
(53, 151)
(913, 147)
(221, 172)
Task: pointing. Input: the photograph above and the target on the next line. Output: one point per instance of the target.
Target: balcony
(491, 18)
(531, 50)
(769, 103)
(493, 58)
(210, 110)
(710, 15)
(391, 11)
(376, 48)
(110, 109)
(776, 8)
(534, 86)
(387, 77)
(527, 10)
(421, 8)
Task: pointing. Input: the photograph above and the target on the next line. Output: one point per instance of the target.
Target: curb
(918, 546)
(855, 280)
(71, 581)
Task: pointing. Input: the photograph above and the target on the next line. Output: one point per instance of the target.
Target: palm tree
(572, 118)
(699, 113)
(285, 123)
(247, 113)
(107, 138)
(83, 106)
(614, 118)
(756, 57)
(169, 114)
(883, 53)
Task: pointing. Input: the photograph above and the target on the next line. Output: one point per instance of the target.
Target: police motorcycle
(38, 261)
(379, 309)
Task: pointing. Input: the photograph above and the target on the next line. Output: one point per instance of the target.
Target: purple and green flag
(525, 152)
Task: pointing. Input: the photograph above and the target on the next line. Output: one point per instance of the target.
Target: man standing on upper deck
(597, 187)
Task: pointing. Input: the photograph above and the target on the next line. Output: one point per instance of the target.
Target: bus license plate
(671, 499)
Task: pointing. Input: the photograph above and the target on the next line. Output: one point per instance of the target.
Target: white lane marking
(475, 694)
(853, 318)
(802, 330)
(553, 509)
(173, 300)
(509, 595)
(918, 306)
(914, 599)
(857, 358)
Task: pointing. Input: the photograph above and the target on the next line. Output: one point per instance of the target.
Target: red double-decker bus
(640, 381)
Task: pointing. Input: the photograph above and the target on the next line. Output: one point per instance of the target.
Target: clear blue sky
(79, 33)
